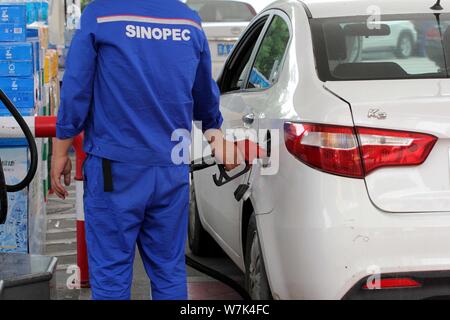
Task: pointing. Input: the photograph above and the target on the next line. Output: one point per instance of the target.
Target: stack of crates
(19, 60)
(23, 69)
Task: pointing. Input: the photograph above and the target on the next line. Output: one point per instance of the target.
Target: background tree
(273, 47)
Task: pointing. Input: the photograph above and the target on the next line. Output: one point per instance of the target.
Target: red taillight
(393, 283)
(383, 148)
(433, 34)
(337, 150)
(332, 149)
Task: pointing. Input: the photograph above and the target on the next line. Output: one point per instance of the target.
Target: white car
(223, 22)
(354, 202)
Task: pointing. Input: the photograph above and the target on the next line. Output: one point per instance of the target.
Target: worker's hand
(61, 166)
(227, 153)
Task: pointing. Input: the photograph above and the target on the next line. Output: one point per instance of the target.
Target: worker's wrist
(59, 155)
(61, 147)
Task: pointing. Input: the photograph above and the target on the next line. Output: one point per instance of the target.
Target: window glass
(237, 68)
(222, 11)
(397, 47)
(268, 61)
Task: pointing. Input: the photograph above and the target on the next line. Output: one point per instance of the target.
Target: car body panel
(409, 105)
(325, 243)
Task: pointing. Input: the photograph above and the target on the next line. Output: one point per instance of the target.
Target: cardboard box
(16, 51)
(22, 93)
(54, 64)
(14, 234)
(44, 36)
(16, 68)
(36, 54)
(19, 59)
(12, 32)
(13, 18)
(37, 222)
(47, 67)
(13, 13)
(50, 66)
(40, 32)
(31, 13)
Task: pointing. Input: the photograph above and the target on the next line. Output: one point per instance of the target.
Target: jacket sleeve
(78, 81)
(206, 93)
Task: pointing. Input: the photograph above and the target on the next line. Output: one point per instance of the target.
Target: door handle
(249, 119)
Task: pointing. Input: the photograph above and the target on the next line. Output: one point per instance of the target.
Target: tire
(405, 46)
(256, 282)
(200, 242)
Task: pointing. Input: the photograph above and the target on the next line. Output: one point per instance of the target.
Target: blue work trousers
(148, 207)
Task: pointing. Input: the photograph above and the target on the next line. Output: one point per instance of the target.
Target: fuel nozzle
(250, 151)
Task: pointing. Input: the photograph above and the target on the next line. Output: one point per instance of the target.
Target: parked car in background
(401, 40)
(223, 22)
(361, 195)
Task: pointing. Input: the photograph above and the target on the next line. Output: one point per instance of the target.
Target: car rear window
(392, 47)
(222, 11)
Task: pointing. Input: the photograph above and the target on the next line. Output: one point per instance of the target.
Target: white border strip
(10, 129)
(79, 202)
(128, 18)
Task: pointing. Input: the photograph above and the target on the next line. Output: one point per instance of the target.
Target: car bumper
(322, 244)
(433, 285)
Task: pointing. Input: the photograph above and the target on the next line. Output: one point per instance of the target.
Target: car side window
(238, 66)
(270, 56)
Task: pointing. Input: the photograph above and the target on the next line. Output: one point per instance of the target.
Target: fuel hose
(31, 142)
(4, 188)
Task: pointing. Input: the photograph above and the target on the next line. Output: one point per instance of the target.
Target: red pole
(82, 260)
(45, 127)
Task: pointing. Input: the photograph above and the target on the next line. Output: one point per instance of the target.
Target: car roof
(342, 8)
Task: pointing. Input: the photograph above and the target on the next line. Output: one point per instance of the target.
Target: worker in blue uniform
(136, 72)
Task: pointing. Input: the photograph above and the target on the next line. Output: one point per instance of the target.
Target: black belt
(107, 176)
